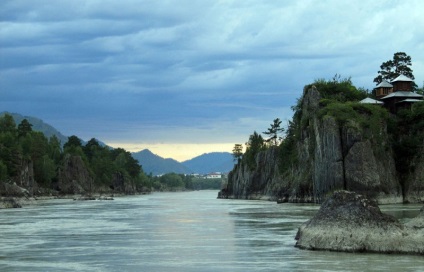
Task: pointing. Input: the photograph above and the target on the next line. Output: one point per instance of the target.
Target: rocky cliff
(255, 184)
(74, 177)
(343, 147)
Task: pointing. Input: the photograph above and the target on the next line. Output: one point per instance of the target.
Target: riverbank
(10, 202)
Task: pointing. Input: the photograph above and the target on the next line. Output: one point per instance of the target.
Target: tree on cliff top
(255, 145)
(391, 69)
(237, 152)
(274, 132)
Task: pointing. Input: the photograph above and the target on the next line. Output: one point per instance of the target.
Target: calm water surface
(189, 231)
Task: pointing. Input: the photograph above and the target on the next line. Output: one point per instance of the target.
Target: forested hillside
(40, 165)
(38, 125)
(32, 164)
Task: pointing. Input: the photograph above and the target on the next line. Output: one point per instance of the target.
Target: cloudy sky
(185, 77)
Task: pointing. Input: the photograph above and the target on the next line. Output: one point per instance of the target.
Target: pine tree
(274, 132)
(391, 69)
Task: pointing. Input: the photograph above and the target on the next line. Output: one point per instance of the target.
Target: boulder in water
(349, 222)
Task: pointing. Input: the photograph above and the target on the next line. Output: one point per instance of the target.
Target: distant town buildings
(214, 175)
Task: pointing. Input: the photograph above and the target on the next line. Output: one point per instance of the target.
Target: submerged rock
(350, 222)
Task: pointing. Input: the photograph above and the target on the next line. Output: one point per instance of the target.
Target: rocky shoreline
(349, 222)
(19, 202)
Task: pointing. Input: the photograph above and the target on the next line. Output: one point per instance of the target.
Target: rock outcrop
(254, 184)
(354, 155)
(13, 190)
(350, 222)
(74, 177)
(348, 156)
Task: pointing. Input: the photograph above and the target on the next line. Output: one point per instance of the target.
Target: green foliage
(338, 89)
(74, 146)
(408, 134)
(342, 112)
(7, 124)
(367, 116)
(172, 181)
(24, 128)
(206, 184)
(391, 69)
(3, 171)
(288, 152)
(237, 152)
(274, 131)
(54, 149)
(255, 145)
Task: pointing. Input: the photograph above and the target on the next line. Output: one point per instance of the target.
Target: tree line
(20, 145)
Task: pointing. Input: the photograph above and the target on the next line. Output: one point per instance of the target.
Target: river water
(187, 231)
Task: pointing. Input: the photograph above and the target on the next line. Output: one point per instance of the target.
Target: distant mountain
(211, 162)
(156, 165)
(38, 125)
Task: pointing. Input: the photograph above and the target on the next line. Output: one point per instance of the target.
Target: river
(187, 231)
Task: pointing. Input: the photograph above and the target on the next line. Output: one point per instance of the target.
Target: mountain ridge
(211, 162)
(203, 164)
(157, 165)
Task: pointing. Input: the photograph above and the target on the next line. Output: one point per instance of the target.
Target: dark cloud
(210, 71)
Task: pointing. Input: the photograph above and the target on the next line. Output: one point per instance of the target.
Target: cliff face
(414, 185)
(23, 184)
(255, 184)
(330, 155)
(348, 156)
(74, 177)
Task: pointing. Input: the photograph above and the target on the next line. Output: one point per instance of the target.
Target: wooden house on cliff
(383, 89)
(398, 94)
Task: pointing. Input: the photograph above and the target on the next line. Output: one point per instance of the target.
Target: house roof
(410, 100)
(370, 101)
(384, 84)
(402, 78)
(403, 94)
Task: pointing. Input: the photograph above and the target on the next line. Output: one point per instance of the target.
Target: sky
(187, 77)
